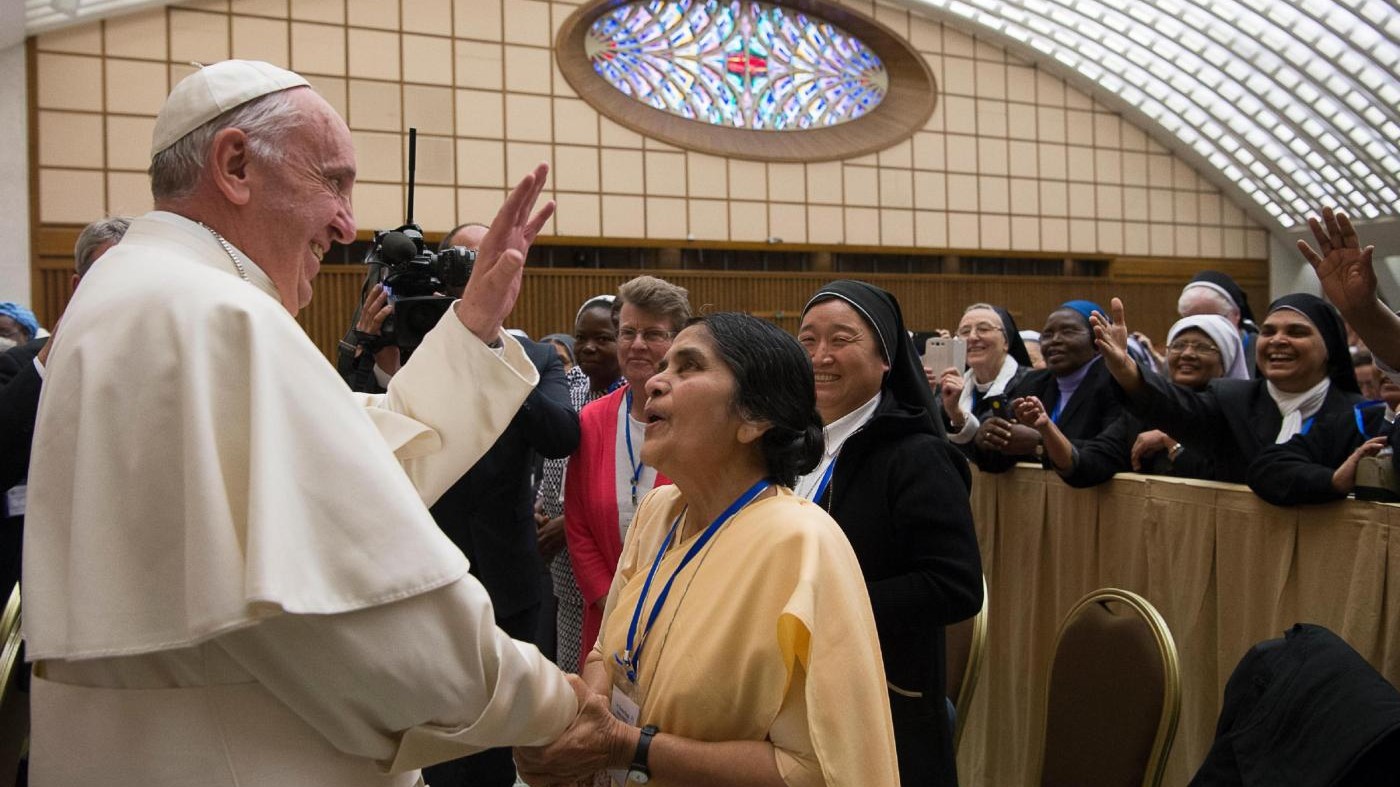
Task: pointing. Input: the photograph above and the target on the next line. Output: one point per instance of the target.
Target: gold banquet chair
(1114, 695)
(964, 644)
(14, 703)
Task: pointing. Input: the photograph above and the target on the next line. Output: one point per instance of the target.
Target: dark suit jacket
(1090, 411)
(1232, 421)
(19, 407)
(489, 512)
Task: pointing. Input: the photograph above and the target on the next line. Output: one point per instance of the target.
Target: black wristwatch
(638, 770)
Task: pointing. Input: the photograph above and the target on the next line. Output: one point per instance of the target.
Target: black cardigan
(1232, 421)
(1092, 409)
(1300, 470)
(1099, 458)
(900, 494)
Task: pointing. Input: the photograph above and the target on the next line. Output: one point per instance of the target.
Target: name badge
(16, 499)
(626, 710)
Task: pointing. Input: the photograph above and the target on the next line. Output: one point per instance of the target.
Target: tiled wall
(1012, 160)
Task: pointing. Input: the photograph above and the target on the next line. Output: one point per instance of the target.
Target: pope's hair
(176, 170)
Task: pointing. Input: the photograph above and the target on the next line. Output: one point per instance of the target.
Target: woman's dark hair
(773, 383)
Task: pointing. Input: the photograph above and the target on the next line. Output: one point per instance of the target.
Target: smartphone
(940, 353)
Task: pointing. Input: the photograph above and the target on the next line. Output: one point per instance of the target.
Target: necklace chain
(228, 249)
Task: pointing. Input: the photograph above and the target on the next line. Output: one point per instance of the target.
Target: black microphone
(397, 248)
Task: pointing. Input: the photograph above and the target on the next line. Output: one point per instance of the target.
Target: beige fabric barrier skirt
(1224, 568)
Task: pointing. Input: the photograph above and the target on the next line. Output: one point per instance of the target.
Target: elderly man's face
(302, 204)
(469, 238)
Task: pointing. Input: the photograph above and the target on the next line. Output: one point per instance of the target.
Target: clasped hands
(596, 741)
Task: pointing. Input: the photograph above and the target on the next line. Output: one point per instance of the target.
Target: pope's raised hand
(500, 262)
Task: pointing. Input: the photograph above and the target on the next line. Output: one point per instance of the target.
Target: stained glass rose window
(737, 64)
(778, 80)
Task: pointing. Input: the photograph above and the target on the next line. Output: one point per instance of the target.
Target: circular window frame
(907, 106)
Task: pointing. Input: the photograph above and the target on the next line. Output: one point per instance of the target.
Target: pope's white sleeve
(449, 403)
(411, 683)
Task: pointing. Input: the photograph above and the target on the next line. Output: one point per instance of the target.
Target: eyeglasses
(653, 336)
(981, 329)
(1199, 348)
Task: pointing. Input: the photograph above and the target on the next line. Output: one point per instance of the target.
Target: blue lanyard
(631, 459)
(632, 657)
(1361, 422)
(1059, 409)
(825, 482)
(1308, 424)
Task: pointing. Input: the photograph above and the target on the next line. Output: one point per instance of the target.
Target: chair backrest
(1114, 695)
(14, 703)
(964, 644)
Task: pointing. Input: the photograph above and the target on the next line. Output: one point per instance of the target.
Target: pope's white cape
(198, 466)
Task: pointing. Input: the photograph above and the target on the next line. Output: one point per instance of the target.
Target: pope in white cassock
(230, 573)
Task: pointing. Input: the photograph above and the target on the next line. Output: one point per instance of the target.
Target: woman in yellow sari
(737, 645)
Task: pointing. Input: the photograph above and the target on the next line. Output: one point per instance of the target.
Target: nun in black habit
(1306, 381)
(899, 491)
(996, 361)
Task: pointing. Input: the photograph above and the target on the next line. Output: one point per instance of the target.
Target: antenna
(412, 165)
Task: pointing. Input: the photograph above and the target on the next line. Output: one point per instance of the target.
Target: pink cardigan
(590, 509)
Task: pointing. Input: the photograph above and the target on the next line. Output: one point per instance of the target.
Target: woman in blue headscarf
(1074, 387)
(17, 324)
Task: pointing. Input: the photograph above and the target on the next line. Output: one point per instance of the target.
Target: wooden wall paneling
(551, 296)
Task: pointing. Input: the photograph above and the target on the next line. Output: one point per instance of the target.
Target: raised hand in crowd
(595, 741)
(1112, 340)
(1344, 477)
(500, 262)
(1030, 412)
(1348, 280)
(1149, 443)
(373, 313)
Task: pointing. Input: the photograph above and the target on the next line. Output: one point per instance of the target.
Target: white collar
(204, 238)
(839, 431)
(1297, 407)
(996, 388)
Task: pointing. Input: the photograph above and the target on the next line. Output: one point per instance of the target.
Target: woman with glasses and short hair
(996, 361)
(1200, 348)
(606, 476)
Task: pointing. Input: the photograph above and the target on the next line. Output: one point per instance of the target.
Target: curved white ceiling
(1295, 103)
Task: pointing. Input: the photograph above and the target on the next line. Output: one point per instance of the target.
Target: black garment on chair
(1305, 710)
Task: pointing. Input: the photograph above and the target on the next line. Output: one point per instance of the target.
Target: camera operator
(366, 358)
(489, 512)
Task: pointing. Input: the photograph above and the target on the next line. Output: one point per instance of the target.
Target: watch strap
(639, 770)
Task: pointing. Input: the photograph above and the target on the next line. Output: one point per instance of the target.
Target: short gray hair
(656, 296)
(108, 230)
(175, 171)
(1223, 306)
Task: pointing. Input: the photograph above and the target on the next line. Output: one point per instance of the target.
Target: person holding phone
(996, 360)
